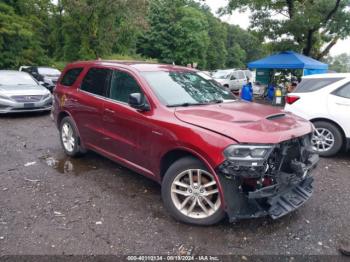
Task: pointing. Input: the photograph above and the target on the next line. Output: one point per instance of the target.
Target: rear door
(88, 101)
(339, 107)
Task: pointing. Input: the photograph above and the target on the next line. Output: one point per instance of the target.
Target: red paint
(139, 140)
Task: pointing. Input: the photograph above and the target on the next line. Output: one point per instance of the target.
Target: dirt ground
(52, 204)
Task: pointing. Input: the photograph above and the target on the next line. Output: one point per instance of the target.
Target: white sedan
(325, 101)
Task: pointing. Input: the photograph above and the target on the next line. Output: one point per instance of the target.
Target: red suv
(212, 153)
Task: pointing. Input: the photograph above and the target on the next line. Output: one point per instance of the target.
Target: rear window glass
(313, 84)
(95, 81)
(344, 91)
(71, 76)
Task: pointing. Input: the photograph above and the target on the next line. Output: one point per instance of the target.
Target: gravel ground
(90, 205)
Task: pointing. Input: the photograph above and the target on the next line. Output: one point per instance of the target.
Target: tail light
(291, 99)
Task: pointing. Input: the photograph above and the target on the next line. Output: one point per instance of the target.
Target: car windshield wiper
(216, 101)
(187, 104)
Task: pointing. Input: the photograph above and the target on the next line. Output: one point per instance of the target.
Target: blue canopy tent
(290, 60)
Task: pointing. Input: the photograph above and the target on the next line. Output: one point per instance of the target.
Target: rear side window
(344, 91)
(314, 84)
(71, 76)
(95, 81)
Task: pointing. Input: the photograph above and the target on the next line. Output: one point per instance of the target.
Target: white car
(325, 101)
(232, 79)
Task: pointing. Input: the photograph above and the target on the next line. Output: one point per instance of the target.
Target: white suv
(324, 100)
(231, 79)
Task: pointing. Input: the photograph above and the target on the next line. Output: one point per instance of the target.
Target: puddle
(68, 165)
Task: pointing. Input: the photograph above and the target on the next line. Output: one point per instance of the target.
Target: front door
(126, 130)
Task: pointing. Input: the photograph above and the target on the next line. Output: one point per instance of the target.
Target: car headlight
(248, 152)
(47, 96)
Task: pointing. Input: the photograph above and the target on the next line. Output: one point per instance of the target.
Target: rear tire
(69, 138)
(197, 202)
(327, 139)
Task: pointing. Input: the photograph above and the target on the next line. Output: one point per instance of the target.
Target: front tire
(190, 193)
(327, 139)
(69, 137)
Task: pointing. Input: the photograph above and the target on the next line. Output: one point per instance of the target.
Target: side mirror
(138, 101)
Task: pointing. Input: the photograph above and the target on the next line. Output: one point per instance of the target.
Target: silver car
(20, 92)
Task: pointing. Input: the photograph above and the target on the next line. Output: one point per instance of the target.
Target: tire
(330, 132)
(74, 149)
(202, 185)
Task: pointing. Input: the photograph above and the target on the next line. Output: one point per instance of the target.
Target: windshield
(221, 74)
(16, 78)
(186, 88)
(48, 71)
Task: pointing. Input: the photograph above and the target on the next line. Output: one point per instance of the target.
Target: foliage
(177, 33)
(41, 32)
(16, 37)
(339, 63)
(312, 27)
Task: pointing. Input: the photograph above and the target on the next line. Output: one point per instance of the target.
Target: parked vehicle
(22, 68)
(211, 153)
(231, 79)
(19, 92)
(47, 76)
(325, 101)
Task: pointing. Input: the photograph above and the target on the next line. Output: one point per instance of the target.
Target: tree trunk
(309, 42)
(328, 48)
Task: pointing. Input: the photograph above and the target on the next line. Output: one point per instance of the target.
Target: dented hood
(246, 122)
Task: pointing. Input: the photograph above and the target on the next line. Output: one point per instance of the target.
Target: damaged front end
(261, 180)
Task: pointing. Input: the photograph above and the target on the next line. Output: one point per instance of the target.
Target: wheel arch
(175, 154)
(64, 114)
(60, 116)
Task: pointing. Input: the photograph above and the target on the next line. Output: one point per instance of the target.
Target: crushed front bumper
(240, 205)
(288, 191)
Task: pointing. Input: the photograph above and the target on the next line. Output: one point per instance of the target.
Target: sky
(242, 19)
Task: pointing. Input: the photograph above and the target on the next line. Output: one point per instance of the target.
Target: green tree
(93, 29)
(242, 47)
(339, 63)
(217, 53)
(312, 27)
(177, 33)
(19, 40)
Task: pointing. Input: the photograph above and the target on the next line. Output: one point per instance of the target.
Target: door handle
(109, 111)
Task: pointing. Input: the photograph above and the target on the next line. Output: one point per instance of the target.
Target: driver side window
(122, 85)
(233, 76)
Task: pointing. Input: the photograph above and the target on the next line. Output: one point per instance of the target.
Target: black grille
(25, 99)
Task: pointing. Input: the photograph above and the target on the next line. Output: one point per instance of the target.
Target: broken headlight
(248, 152)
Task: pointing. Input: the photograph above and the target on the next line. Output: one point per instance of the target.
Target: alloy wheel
(195, 194)
(322, 139)
(67, 135)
